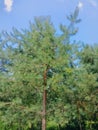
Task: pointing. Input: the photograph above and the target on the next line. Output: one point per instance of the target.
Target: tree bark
(44, 111)
(44, 100)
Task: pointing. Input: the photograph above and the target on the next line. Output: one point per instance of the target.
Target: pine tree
(39, 63)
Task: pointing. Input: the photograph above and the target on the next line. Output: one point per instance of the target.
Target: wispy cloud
(80, 5)
(8, 5)
(93, 3)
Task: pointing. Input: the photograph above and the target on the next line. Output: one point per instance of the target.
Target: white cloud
(93, 2)
(80, 5)
(8, 5)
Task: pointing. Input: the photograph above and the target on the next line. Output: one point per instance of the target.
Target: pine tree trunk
(44, 100)
(44, 111)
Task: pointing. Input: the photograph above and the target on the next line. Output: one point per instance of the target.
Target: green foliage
(52, 125)
(71, 78)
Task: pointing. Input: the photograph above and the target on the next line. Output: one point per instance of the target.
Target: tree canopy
(38, 60)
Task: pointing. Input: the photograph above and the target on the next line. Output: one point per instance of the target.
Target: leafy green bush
(51, 125)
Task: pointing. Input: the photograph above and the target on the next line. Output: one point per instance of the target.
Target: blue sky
(18, 13)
